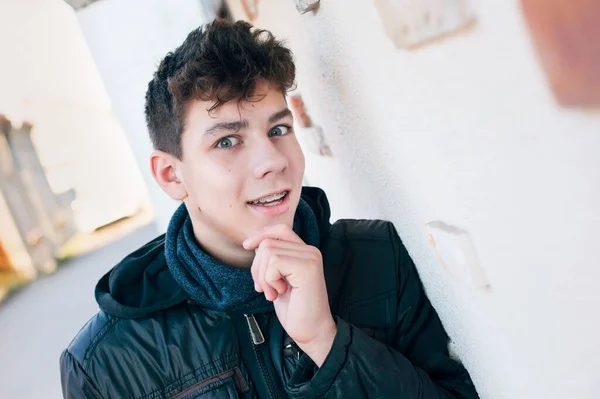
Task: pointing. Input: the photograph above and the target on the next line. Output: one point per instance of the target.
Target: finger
(268, 289)
(269, 255)
(292, 252)
(277, 232)
(271, 243)
(274, 278)
(284, 268)
(254, 270)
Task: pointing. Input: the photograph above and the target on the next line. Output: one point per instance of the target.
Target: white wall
(48, 77)
(466, 131)
(127, 40)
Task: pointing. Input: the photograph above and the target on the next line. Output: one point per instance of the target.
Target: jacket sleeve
(75, 382)
(414, 365)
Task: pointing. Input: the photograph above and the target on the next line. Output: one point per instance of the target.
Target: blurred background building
(473, 126)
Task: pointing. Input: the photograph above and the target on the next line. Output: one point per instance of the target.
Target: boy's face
(241, 168)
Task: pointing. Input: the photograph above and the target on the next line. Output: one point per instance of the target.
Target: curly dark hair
(220, 62)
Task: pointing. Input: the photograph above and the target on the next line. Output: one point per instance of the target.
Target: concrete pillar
(127, 40)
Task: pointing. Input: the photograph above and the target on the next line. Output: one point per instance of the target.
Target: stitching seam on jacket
(205, 368)
(111, 323)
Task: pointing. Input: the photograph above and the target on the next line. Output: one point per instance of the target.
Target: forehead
(264, 102)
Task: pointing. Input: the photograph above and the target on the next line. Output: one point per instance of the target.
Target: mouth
(270, 200)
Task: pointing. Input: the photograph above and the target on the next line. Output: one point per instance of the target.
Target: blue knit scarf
(212, 284)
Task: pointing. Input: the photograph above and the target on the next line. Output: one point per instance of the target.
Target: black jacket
(150, 341)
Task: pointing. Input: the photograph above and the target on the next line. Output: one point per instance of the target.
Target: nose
(269, 159)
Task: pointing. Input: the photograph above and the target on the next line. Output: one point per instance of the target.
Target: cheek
(302, 159)
(298, 160)
(210, 183)
(224, 185)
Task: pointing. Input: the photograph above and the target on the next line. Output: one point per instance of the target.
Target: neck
(222, 250)
(202, 266)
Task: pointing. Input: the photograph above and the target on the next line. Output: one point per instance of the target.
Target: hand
(290, 273)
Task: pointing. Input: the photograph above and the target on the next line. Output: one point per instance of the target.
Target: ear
(165, 170)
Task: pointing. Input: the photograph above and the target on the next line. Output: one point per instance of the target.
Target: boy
(252, 293)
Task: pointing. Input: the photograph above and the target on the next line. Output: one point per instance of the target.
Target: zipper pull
(257, 335)
(293, 349)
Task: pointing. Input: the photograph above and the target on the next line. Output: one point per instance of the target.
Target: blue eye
(227, 142)
(280, 130)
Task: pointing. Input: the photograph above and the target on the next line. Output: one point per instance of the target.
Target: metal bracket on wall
(412, 23)
(304, 6)
(79, 4)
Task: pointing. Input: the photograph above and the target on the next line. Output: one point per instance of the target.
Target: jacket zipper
(258, 338)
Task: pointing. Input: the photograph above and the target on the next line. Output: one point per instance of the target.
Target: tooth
(270, 198)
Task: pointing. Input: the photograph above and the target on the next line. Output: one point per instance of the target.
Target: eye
(227, 142)
(280, 130)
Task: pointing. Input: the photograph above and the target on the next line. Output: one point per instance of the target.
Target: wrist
(319, 347)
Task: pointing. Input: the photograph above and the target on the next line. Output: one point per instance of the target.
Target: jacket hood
(142, 284)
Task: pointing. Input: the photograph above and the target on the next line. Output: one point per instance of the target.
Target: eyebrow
(280, 115)
(238, 125)
(227, 126)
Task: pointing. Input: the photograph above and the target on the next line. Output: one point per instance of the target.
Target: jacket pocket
(226, 385)
(374, 311)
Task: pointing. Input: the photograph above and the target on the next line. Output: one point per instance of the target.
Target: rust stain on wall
(4, 260)
(567, 36)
